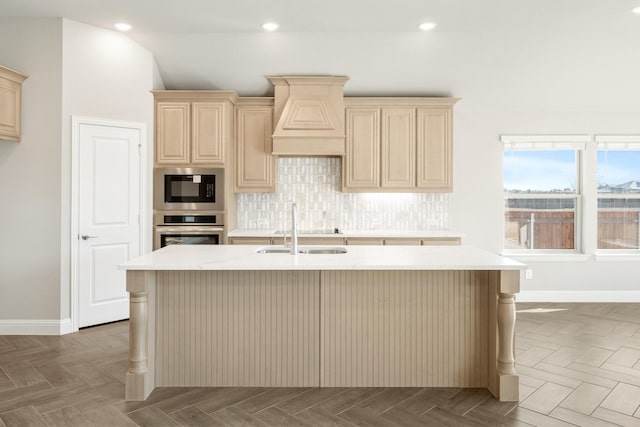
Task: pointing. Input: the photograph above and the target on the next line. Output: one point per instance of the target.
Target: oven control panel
(162, 218)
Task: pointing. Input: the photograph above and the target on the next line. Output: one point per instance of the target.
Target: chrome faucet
(294, 229)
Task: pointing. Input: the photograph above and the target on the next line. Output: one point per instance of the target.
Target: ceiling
(179, 33)
(245, 16)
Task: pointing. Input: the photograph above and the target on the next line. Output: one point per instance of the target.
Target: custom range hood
(308, 115)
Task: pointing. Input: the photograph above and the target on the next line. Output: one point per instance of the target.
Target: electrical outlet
(528, 273)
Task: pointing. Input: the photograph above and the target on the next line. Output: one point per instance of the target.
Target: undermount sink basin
(317, 250)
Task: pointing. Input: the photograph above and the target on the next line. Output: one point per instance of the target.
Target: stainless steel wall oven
(188, 229)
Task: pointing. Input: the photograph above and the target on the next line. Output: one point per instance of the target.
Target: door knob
(86, 237)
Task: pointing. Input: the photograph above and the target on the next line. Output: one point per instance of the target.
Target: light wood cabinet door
(320, 241)
(402, 242)
(434, 149)
(255, 166)
(249, 241)
(173, 120)
(208, 130)
(361, 165)
(443, 241)
(398, 148)
(365, 241)
(10, 104)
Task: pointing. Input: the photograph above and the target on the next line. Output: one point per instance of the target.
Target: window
(542, 193)
(572, 193)
(618, 176)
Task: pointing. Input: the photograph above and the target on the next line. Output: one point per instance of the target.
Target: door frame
(76, 122)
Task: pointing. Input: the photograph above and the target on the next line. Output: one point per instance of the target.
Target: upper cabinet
(173, 130)
(435, 148)
(10, 104)
(398, 145)
(387, 144)
(362, 159)
(398, 169)
(208, 131)
(193, 127)
(255, 166)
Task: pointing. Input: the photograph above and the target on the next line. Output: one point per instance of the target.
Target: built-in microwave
(189, 189)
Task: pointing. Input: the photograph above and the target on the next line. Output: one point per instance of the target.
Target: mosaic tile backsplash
(314, 183)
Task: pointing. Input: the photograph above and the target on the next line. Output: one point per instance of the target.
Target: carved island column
(508, 381)
(139, 380)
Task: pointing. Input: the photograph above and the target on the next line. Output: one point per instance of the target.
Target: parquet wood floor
(579, 364)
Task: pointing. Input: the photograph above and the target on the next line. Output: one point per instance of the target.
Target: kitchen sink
(314, 250)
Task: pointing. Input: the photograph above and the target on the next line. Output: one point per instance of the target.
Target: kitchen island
(376, 316)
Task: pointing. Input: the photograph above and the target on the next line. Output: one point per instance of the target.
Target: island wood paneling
(359, 328)
(237, 328)
(405, 328)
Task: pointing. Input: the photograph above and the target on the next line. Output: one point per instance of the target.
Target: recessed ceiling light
(427, 26)
(270, 26)
(636, 10)
(121, 26)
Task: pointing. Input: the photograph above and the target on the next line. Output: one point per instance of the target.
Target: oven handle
(187, 229)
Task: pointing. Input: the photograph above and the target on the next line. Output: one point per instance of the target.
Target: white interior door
(108, 219)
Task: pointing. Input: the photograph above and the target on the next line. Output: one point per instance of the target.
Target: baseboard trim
(35, 327)
(578, 296)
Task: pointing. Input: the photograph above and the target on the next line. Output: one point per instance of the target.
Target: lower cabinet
(403, 242)
(249, 240)
(449, 241)
(446, 241)
(371, 241)
(279, 240)
(364, 241)
(320, 241)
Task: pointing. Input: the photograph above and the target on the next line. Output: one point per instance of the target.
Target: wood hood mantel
(309, 115)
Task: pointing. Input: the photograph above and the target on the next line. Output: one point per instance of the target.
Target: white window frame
(577, 142)
(616, 143)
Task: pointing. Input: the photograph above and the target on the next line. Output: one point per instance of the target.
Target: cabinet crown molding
(389, 101)
(195, 95)
(12, 75)
(308, 80)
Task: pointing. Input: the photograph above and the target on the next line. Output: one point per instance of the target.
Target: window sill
(546, 257)
(626, 256)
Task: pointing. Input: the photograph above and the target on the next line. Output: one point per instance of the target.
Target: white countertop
(353, 233)
(245, 257)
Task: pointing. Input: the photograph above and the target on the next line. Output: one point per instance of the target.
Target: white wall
(105, 75)
(477, 204)
(30, 174)
(74, 69)
(547, 80)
